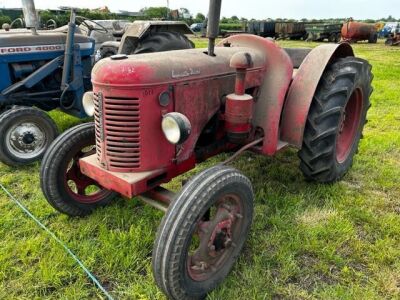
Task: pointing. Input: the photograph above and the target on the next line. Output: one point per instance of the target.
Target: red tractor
(158, 115)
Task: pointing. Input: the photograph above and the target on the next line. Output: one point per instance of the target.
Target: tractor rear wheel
(26, 133)
(202, 233)
(64, 186)
(336, 119)
(163, 41)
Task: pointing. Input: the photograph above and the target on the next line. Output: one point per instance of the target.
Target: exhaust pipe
(31, 20)
(214, 15)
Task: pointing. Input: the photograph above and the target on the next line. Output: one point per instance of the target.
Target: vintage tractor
(45, 70)
(158, 115)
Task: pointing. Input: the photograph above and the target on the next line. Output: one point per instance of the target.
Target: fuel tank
(358, 31)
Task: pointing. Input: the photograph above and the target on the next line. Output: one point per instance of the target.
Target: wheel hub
(216, 239)
(25, 140)
(349, 125)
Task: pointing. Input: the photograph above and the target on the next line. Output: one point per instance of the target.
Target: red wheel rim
(349, 124)
(80, 187)
(216, 236)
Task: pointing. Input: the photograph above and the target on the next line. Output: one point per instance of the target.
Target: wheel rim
(350, 122)
(26, 140)
(215, 238)
(80, 187)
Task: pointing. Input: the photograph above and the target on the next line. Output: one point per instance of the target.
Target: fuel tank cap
(119, 56)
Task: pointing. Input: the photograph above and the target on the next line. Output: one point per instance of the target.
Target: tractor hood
(169, 67)
(12, 43)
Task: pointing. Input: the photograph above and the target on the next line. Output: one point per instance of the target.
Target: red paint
(302, 90)
(357, 31)
(273, 87)
(133, 155)
(350, 123)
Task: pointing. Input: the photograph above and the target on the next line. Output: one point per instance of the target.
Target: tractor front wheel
(202, 233)
(336, 120)
(64, 186)
(26, 133)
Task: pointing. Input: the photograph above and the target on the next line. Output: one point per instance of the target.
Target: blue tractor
(45, 70)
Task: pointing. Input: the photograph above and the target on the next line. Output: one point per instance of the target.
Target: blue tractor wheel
(26, 134)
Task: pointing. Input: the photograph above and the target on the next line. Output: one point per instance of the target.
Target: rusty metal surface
(127, 184)
(172, 67)
(303, 88)
(269, 103)
(357, 31)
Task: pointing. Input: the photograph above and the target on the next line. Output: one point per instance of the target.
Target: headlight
(176, 128)
(88, 103)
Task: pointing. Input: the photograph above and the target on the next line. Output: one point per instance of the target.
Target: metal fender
(303, 88)
(269, 103)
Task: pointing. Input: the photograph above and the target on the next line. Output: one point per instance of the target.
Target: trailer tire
(163, 41)
(26, 133)
(373, 39)
(60, 166)
(174, 268)
(336, 119)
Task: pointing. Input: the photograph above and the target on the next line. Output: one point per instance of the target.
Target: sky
(257, 9)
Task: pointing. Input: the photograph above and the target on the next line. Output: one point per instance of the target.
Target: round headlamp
(176, 128)
(88, 103)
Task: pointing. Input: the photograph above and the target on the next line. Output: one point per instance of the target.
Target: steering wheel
(83, 21)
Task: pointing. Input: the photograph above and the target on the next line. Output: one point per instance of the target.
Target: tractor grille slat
(118, 131)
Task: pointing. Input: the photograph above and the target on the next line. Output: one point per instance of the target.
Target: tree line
(164, 13)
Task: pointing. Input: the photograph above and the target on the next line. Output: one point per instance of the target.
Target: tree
(200, 17)
(4, 19)
(155, 12)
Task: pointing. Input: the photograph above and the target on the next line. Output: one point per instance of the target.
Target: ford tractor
(45, 70)
(156, 116)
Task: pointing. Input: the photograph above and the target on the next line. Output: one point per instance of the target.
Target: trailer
(354, 32)
(262, 28)
(317, 32)
(290, 30)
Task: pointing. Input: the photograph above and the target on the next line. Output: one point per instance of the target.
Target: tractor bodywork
(136, 158)
(31, 70)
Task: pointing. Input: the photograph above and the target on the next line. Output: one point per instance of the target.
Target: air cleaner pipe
(214, 15)
(30, 16)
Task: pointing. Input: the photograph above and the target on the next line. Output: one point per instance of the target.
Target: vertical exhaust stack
(214, 15)
(30, 16)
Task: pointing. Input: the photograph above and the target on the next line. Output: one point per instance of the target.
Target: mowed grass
(308, 241)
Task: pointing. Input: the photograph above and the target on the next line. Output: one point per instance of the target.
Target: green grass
(308, 241)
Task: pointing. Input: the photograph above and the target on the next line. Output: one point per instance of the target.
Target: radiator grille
(118, 131)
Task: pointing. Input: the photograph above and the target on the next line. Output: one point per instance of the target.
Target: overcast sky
(258, 9)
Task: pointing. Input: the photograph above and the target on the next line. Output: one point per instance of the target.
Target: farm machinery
(290, 30)
(46, 70)
(354, 32)
(394, 37)
(322, 31)
(157, 116)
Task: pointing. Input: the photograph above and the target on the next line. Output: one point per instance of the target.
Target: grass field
(308, 241)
